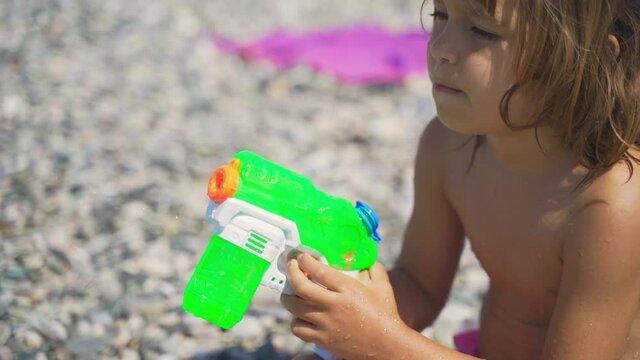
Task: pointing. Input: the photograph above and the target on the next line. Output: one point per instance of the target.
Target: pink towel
(361, 54)
(467, 342)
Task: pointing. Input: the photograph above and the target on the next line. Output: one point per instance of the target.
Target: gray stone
(28, 340)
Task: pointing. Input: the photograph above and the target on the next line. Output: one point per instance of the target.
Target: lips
(439, 87)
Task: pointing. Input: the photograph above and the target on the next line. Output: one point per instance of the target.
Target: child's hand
(349, 317)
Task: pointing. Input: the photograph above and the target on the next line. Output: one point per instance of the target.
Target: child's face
(469, 59)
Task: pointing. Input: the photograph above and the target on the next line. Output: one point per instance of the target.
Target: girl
(534, 158)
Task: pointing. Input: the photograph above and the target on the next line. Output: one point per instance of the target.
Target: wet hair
(582, 88)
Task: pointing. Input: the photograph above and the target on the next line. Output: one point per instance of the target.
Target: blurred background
(113, 114)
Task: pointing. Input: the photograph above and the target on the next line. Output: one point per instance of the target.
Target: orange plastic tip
(224, 182)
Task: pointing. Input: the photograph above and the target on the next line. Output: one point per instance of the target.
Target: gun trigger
(313, 252)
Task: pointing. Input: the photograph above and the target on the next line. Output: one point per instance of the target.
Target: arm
(434, 238)
(352, 319)
(361, 319)
(600, 287)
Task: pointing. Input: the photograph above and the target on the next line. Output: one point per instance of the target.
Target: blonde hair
(584, 90)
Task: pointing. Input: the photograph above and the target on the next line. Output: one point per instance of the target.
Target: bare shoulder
(607, 212)
(617, 191)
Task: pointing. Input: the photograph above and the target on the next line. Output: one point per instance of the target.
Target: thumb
(320, 273)
(378, 273)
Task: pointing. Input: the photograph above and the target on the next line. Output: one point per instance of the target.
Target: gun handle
(223, 283)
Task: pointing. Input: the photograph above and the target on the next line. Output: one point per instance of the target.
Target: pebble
(6, 353)
(5, 332)
(55, 331)
(85, 346)
(123, 336)
(109, 286)
(114, 115)
(249, 328)
(28, 341)
(129, 354)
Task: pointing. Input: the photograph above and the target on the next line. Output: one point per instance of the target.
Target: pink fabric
(361, 54)
(467, 342)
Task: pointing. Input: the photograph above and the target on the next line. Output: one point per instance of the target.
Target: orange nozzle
(224, 182)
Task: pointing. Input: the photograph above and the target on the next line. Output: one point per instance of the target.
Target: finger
(304, 330)
(301, 308)
(364, 276)
(305, 288)
(323, 274)
(293, 254)
(378, 273)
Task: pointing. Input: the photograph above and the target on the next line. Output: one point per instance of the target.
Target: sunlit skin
(563, 265)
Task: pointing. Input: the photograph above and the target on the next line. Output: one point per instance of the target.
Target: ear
(615, 44)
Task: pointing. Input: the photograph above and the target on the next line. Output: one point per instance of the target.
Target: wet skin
(563, 263)
(517, 225)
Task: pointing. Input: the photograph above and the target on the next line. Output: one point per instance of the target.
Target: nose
(442, 47)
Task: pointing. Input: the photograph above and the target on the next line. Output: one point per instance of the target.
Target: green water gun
(260, 212)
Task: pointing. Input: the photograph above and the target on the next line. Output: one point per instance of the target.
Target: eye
(484, 34)
(439, 15)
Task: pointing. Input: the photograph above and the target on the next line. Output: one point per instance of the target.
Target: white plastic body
(241, 223)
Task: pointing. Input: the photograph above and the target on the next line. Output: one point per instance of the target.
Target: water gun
(260, 212)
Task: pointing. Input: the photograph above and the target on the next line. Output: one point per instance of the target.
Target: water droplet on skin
(385, 330)
(371, 354)
(338, 330)
(354, 347)
(347, 337)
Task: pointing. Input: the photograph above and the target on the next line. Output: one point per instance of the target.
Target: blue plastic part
(369, 218)
(209, 216)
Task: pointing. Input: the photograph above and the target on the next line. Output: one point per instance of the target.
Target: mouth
(441, 88)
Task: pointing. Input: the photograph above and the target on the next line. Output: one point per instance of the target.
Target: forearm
(416, 307)
(401, 342)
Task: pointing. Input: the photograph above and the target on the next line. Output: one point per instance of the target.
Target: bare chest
(515, 229)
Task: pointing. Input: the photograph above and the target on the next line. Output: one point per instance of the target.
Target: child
(534, 158)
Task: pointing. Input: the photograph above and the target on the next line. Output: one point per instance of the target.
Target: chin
(458, 123)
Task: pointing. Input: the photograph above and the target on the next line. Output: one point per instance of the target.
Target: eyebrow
(478, 11)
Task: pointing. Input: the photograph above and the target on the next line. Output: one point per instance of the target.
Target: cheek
(521, 110)
(487, 91)
(490, 69)
(490, 80)
(430, 61)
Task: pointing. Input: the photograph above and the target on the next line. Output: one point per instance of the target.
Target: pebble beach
(113, 116)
